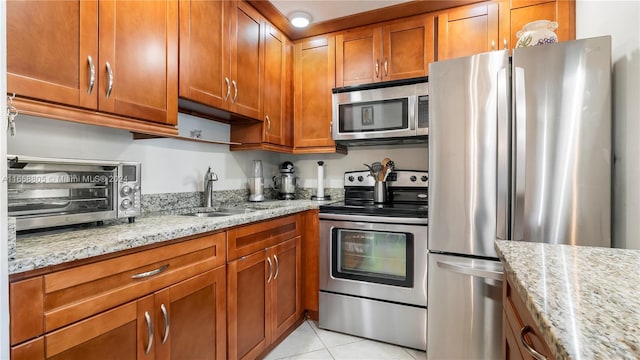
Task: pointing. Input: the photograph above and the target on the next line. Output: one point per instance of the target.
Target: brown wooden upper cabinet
(396, 50)
(117, 57)
(468, 30)
(525, 11)
(221, 55)
(313, 80)
(278, 88)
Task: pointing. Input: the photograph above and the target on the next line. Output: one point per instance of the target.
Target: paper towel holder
(320, 196)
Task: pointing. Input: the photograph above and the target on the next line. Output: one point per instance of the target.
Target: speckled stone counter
(39, 250)
(585, 300)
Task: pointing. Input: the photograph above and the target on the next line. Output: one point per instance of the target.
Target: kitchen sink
(219, 212)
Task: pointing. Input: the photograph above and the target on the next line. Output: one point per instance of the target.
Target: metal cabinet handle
(268, 123)
(504, 41)
(166, 323)
(331, 129)
(226, 80)
(235, 89)
(147, 317)
(275, 257)
(377, 68)
(150, 273)
(536, 355)
(110, 80)
(493, 44)
(92, 74)
(386, 67)
(270, 270)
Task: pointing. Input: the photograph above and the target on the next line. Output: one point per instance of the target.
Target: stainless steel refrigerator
(519, 149)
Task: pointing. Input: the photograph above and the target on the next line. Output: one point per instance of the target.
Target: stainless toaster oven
(48, 192)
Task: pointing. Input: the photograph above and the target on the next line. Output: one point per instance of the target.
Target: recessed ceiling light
(300, 19)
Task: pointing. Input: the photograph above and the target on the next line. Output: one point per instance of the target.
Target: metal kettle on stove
(286, 182)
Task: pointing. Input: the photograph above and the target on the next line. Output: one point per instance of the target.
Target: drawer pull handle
(270, 270)
(150, 273)
(166, 323)
(147, 318)
(275, 257)
(536, 355)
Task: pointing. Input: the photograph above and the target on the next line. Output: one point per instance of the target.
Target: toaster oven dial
(126, 203)
(126, 190)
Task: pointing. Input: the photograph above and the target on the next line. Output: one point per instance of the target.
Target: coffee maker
(286, 182)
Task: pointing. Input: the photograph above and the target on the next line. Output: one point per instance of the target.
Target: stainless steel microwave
(393, 111)
(48, 192)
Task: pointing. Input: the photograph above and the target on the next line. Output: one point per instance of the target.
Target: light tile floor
(309, 342)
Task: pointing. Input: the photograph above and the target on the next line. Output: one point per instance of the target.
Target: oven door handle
(468, 270)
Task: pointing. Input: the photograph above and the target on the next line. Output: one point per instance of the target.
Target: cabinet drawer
(518, 316)
(246, 240)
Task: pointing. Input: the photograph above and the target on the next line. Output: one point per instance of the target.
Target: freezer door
(465, 308)
(468, 166)
(562, 153)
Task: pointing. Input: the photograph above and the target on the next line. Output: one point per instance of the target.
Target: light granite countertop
(40, 250)
(585, 300)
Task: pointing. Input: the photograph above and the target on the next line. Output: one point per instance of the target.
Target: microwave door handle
(413, 111)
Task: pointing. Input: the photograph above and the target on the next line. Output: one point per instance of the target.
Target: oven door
(383, 261)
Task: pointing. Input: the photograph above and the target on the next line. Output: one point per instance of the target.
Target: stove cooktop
(371, 209)
(407, 194)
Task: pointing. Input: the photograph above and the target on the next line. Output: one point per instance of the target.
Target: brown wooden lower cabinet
(263, 298)
(183, 321)
(521, 336)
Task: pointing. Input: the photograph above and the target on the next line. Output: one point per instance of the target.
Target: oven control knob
(424, 178)
(126, 190)
(360, 178)
(126, 203)
(413, 178)
(350, 178)
(136, 188)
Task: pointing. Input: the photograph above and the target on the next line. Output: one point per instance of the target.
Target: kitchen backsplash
(168, 202)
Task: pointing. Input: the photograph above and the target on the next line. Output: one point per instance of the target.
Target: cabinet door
(467, 31)
(275, 86)
(510, 348)
(204, 52)
(358, 57)
(246, 61)
(525, 11)
(52, 46)
(407, 48)
(285, 287)
(138, 66)
(191, 318)
(314, 79)
(246, 306)
(114, 333)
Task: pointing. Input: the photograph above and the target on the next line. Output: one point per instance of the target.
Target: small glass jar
(537, 33)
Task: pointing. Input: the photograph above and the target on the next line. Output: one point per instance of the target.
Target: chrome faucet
(209, 178)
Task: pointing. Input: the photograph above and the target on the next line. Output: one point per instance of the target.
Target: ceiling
(326, 10)
(337, 15)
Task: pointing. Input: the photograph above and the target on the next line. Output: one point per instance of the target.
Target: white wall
(4, 267)
(621, 20)
(170, 165)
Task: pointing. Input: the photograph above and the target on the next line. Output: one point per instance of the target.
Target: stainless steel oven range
(373, 260)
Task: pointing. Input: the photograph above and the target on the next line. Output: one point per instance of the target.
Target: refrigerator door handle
(467, 270)
(502, 198)
(519, 157)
